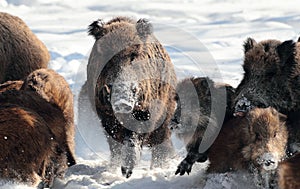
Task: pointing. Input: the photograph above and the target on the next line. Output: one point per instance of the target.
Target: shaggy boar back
(52, 87)
(30, 136)
(21, 52)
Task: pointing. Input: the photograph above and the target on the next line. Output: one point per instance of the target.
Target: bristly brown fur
(203, 87)
(123, 42)
(243, 140)
(272, 72)
(289, 174)
(54, 89)
(271, 68)
(21, 51)
(96, 29)
(272, 78)
(10, 85)
(47, 94)
(31, 132)
(199, 100)
(144, 28)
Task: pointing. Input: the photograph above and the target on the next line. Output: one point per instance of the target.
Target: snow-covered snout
(267, 138)
(268, 161)
(125, 100)
(244, 103)
(124, 96)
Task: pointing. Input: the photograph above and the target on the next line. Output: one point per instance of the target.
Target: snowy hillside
(203, 38)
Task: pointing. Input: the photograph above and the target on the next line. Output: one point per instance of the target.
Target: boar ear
(298, 39)
(143, 28)
(282, 117)
(176, 97)
(249, 44)
(204, 83)
(285, 50)
(106, 89)
(96, 29)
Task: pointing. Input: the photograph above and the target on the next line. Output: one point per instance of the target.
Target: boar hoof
(126, 172)
(184, 167)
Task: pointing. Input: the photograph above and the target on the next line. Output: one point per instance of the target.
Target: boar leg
(193, 154)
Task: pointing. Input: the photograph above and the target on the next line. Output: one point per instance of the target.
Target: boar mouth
(141, 115)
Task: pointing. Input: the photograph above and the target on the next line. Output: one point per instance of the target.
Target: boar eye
(134, 90)
(257, 136)
(133, 56)
(274, 134)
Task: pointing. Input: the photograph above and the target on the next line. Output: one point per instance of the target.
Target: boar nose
(141, 115)
(121, 107)
(242, 106)
(269, 161)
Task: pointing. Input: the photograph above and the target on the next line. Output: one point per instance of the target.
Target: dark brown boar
(271, 78)
(29, 139)
(255, 143)
(47, 94)
(21, 51)
(131, 83)
(198, 102)
(54, 89)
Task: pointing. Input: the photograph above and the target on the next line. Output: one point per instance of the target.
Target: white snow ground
(185, 27)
